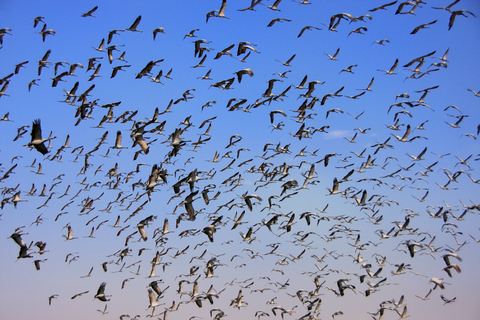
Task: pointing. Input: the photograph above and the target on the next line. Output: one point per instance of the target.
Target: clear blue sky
(441, 181)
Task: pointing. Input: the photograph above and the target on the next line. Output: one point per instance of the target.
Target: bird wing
(101, 289)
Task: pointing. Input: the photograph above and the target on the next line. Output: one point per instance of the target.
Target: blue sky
(242, 265)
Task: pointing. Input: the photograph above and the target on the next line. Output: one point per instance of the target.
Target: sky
(281, 147)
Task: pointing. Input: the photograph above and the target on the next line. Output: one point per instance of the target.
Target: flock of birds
(206, 220)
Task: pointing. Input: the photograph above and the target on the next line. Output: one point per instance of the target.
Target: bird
(90, 12)
(405, 136)
(152, 299)
(37, 20)
(100, 295)
(349, 69)
(334, 57)
(37, 141)
(307, 28)
(287, 63)
(420, 155)
(240, 73)
(50, 298)
(423, 26)
(446, 300)
(221, 12)
(383, 7)
(46, 32)
(134, 25)
(456, 13)
(4, 87)
(69, 235)
(44, 63)
(274, 6)
(191, 34)
(477, 94)
(79, 294)
(19, 66)
(118, 141)
(360, 30)
(156, 31)
(392, 69)
(381, 42)
(252, 6)
(271, 23)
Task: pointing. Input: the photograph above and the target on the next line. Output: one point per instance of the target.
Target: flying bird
(100, 295)
(90, 12)
(134, 25)
(37, 141)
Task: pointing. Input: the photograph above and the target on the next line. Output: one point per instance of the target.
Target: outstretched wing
(36, 130)
(101, 289)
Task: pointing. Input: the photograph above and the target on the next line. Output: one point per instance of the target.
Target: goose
(119, 68)
(37, 20)
(221, 12)
(19, 66)
(287, 63)
(111, 33)
(252, 5)
(273, 113)
(3, 32)
(334, 189)
(69, 235)
(244, 46)
(311, 88)
(458, 13)
(422, 26)
(353, 139)
(30, 84)
(383, 7)
(44, 63)
(4, 87)
(100, 295)
(50, 298)
(95, 73)
(278, 20)
(449, 7)
(156, 31)
(419, 157)
(444, 57)
(334, 57)
(152, 299)
(90, 12)
(274, 6)
(457, 123)
(392, 69)
(45, 32)
(348, 69)
(79, 294)
(191, 34)
(240, 73)
(360, 30)
(268, 92)
(307, 28)
(110, 50)
(206, 76)
(283, 74)
(302, 83)
(100, 47)
(134, 25)
(200, 64)
(414, 5)
(157, 78)
(37, 142)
